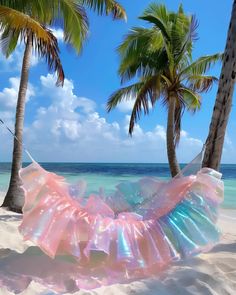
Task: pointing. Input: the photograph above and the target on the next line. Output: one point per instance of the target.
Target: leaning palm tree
(160, 58)
(71, 16)
(14, 25)
(223, 103)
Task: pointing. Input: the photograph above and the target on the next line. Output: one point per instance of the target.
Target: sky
(70, 124)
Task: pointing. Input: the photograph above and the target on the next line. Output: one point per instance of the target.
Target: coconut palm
(16, 25)
(68, 14)
(160, 58)
(223, 103)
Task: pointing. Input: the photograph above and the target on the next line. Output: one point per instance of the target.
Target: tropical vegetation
(26, 21)
(160, 58)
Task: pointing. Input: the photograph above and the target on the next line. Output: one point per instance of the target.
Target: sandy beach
(210, 273)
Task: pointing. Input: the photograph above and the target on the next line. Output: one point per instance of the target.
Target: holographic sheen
(135, 232)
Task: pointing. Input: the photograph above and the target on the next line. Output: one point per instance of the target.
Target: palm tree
(14, 25)
(160, 58)
(223, 103)
(71, 16)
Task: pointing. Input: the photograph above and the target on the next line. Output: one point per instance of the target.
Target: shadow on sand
(10, 217)
(62, 275)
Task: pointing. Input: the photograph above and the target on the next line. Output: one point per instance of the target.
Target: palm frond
(158, 16)
(16, 24)
(191, 99)
(201, 65)
(138, 57)
(8, 41)
(140, 40)
(106, 7)
(69, 14)
(145, 65)
(158, 11)
(149, 91)
(74, 22)
(13, 20)
(166, 81)
(125, 93)
(135, 115)
(50, 52)
(181, 9)
(186, 40)
(200, 83)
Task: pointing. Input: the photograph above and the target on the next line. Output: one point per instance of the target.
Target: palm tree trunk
(14, 199)
(223, 104)
(172, 158)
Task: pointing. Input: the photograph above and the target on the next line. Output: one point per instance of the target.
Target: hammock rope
(17, 139)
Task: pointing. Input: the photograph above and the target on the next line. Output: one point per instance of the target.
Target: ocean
(108, 175)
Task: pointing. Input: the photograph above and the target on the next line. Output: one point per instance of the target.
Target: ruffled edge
(126, 239)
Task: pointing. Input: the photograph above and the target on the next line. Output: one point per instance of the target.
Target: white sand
(212, 273)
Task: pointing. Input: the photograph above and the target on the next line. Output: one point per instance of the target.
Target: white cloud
(58, 33)
(228, 141)
(191, 141)
(125, 106)
(71, 129)
(8, 96)
(8, 99)
(14, 62)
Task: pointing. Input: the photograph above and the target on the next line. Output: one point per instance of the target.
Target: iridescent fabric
(135, 232)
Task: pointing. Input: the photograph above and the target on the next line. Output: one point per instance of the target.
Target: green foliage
(106, 7)
(19, 18)
(70, 15)
(160, 57)
(15, 25)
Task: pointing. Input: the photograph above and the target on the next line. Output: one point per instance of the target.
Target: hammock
(133, 233)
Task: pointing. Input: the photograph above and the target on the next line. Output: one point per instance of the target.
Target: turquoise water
(230, 194)
(109, 175)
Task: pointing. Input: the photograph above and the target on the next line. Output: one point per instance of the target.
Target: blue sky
(71, 124)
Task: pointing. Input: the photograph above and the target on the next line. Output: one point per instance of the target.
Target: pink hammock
(133, 233)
